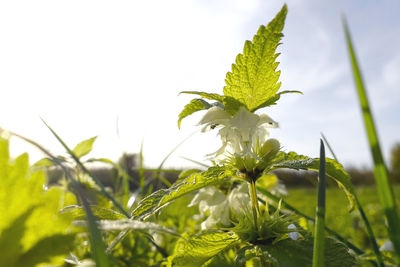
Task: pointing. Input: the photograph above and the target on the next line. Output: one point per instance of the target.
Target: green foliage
(395, 162)
(198, 250)
(334, 169)
(270, 228)
(78, 212)
(84, 147)
(31, 230)
(288, 253)
(384, 188)
(230, 104)
(254, 79)
(127, 224)
(160, 198)
(194, 106)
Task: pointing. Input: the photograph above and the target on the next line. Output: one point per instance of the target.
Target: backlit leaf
(84, 147)
(254, 78)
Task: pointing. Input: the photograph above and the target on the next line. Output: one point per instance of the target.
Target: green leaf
(197, 250)
(11, 239)
(160, 198)
(84, 147)
(194, 106)
(78, 212)
(299, 252)
(29, 215)
(43, 163)
(45, 249)
(254, 79)
(86, 171)
(333, 169)
(217, 97)
(127, 224)
(384, 188)
(230, 104)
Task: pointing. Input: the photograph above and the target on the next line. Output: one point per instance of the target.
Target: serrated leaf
(232, 105)
(160, 198)
(197, 250)
(78, 212)
(299, 252)
(254, 79)
(127, 224)
(334, 170)
(45, 249)
(194, 106)
(24, 208)
(84, 147)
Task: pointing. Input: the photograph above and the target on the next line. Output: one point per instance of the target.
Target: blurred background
(115, 69)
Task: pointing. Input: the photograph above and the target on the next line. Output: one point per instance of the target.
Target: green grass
(338, 218)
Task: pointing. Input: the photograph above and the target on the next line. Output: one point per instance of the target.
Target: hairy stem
(254, 202)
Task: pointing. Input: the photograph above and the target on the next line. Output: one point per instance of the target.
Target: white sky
(83, 66)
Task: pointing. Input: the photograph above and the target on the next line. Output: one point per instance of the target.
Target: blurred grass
(337, 215)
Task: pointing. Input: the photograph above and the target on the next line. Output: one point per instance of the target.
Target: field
(338, 218)
(233, 213)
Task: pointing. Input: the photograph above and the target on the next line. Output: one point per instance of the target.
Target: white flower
(238, 132)
(220, 208)
(387, 246)
(213, 203)
(239, 199)
(293, 235)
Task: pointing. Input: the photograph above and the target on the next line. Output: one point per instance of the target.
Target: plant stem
(254, 202)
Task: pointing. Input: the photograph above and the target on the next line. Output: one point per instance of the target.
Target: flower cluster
(220, 209)
(240, 132)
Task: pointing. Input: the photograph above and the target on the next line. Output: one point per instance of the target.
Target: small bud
(270, 148)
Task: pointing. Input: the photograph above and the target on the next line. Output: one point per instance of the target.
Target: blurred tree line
(156, 179)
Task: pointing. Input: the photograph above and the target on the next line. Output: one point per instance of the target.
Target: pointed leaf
(217, 97)
(24, 208)
(160, 198)
(78, 212)
(333, 169)
(194, 106)
(45, 249)
(43, 163)
(84, 147)
(127, 224)
(254, 79)
(299, 252)
(197, 250)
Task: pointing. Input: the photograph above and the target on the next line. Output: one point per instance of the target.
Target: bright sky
(96, 68)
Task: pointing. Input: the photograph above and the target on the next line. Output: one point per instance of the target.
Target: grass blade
(86, 171)
(385, 192)
(97, 245)
(319, 238)
(371, 234)
(329, 147)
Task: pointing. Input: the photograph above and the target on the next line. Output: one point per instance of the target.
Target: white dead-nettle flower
(212, 203)
(240, 132)
(218, 207)
(293, 235)
(387, 246)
